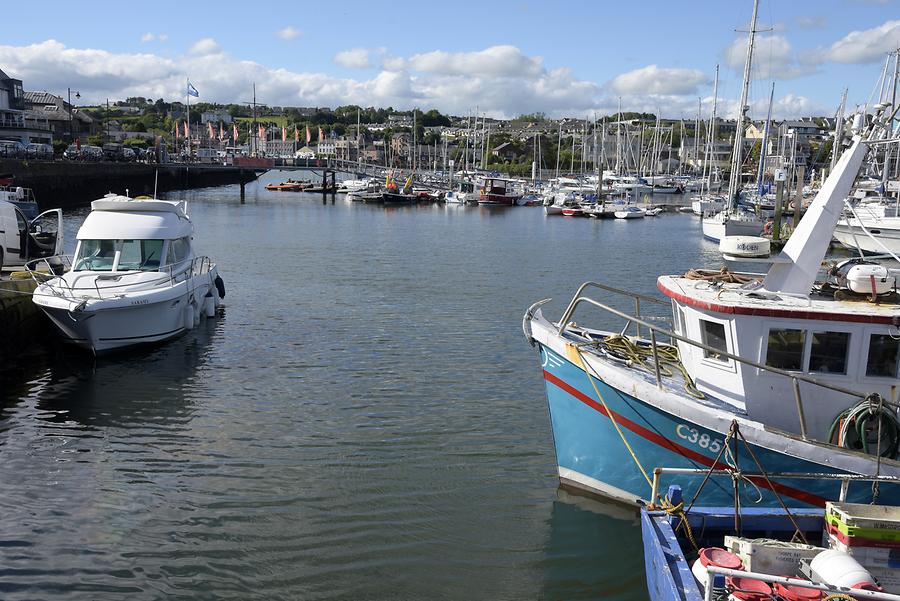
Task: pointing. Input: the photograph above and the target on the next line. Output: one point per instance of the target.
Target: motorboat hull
(853, 237)
(102, 326)
(592, 457)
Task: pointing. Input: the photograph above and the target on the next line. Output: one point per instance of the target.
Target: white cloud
(288, 33)
(220, 77)
(204, 47)
(355, 58)
(773, 58)
(150, 37)
(495, 61)
(654, 80)
(866, 46)
(811, 22)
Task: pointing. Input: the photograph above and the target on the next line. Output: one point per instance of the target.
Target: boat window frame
(864, 353)
(118, 244)
(849, 366)
(705, 359)
(804, 356)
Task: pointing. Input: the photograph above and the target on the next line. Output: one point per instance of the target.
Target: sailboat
(733, 221)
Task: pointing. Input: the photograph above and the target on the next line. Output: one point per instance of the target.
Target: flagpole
(187, 98)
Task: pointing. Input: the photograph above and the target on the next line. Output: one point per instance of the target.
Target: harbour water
(365, 422)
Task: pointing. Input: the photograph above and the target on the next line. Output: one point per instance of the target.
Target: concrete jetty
(64, 184)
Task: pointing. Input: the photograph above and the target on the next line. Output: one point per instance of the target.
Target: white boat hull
(852, 236)
(103, 325)
(715, 228)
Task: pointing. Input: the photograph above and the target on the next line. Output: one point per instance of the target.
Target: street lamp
(71, 126)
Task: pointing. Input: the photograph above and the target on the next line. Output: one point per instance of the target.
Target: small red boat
(573, 212)
(288, 186)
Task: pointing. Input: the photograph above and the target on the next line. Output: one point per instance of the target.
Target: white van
(22, 240)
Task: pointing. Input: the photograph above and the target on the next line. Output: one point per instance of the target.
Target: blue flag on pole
(192, 91)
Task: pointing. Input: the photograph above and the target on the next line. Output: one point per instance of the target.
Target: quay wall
(59, 184)
(21, 322)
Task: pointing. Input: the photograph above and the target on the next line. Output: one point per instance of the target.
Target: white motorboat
(874, 236)
(135, 278)
(630, 213)
(653, 212)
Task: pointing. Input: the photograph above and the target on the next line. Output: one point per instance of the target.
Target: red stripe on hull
(673, 446)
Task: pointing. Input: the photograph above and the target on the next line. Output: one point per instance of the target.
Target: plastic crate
(770, 557)
(855, 539)
(870, 557)
(887, 535)
(870, 517)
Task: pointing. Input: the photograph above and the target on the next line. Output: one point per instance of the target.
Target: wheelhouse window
(785, 349)
(140, 255)
(95, 255)
(118, 255)
(828, 352)
(882, 360)
(714, 336)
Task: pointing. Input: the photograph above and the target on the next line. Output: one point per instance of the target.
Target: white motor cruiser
(135, 278)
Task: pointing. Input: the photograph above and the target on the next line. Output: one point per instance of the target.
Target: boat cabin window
(140, 255)
(882, 361)
(714, 336)
(178, 250)
(828, 353)
(786, 349)
(118, 255)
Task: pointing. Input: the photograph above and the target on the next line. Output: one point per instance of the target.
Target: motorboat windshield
(118, 255)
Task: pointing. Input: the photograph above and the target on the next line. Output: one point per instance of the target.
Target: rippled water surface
(365, 422)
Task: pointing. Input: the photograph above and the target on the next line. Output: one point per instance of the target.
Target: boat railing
(728, 471)
(653, 329)
(171, 274)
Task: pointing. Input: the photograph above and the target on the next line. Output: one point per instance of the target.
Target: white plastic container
(863, 278)
(841, 569)
(745, 246)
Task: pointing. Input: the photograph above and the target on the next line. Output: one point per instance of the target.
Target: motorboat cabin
(495, 191)
(134, 277)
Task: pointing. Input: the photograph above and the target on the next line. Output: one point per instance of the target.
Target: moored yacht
(134, 278)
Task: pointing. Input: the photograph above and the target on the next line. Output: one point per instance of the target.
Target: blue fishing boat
(804, 363)
(755, 554)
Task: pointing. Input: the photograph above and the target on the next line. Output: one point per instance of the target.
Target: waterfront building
(65, 121)
(13, 122)
(216, 116)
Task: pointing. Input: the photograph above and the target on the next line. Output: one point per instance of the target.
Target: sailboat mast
(764, 144)
(737, 154)
(838, 131)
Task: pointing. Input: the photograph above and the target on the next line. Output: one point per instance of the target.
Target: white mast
(736, 161)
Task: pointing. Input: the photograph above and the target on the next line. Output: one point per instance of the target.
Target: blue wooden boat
(669, 552)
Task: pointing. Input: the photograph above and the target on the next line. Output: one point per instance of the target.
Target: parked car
(12, 149)
(72, 153)
(128, 155)
(113, 152)
(39, 151)
(91, 153)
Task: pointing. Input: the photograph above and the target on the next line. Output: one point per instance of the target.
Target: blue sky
(564, 58)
